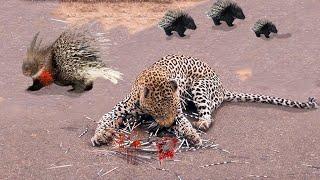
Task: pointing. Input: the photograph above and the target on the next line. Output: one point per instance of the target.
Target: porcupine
(264, 26)
(69, 60)
(225, 10)
(177, 20)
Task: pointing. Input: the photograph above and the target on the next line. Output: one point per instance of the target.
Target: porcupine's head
(36, 57)
(237, 11)
(189, 22)
(272, 27)
(29, 68)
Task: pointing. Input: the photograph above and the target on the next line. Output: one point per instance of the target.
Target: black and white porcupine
(225, 10)
(69, 60)
(177, 20)
(264, 26)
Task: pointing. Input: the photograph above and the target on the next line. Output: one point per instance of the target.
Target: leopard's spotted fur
(161, 90)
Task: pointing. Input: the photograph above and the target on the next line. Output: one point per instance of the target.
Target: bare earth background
(37, 129)
(132, 15)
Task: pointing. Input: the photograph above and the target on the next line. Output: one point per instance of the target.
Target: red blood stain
(129, 151)
(166, 148)
(121, 140)
(46, 78)
(136, 144)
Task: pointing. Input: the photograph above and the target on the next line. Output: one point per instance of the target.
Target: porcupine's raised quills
(264, 26)
(225, 10)
(177, 20)
(71, 59)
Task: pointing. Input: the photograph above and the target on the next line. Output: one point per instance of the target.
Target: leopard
(162, 90)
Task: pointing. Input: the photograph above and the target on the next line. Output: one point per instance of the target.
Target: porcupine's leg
(181, 29)
(184, 128)
(62, 84)
(207, 95)
(216, 21)
(35, 86)
(80, 86)
(229, 21)
(258, 34)
(168, 32)
(267, 34)
(89, 86)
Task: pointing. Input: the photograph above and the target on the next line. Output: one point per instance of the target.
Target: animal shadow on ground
(278, 36)
(177, 36)
(283, 36)
(56, 90)
(224, 27)
(70, 128)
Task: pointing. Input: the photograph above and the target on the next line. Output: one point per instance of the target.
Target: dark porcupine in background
(264, 26)
(177, 20)
(71, 59)
(225, 10)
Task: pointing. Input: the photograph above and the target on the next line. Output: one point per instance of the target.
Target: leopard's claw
(103, 137)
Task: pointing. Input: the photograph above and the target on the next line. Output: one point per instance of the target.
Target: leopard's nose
(165, 121)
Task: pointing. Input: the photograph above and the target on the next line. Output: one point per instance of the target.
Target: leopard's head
(158, 97)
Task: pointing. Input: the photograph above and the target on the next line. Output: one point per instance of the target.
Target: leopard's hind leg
(207, 95)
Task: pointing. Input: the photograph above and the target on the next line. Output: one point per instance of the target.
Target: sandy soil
(40, 130)
(133, 16)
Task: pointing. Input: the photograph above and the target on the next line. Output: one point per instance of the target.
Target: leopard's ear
(174, 85)
(146, 92)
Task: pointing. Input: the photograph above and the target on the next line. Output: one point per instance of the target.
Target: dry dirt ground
(134, 16)
(40, 130)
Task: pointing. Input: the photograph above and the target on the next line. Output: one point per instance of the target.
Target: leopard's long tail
(245, 97)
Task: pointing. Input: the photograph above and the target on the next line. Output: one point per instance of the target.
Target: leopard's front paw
(194, 139)
(202, 124)
(103, 137)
